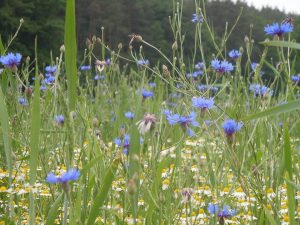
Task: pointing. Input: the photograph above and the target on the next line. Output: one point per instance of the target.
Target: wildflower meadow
(206, 139)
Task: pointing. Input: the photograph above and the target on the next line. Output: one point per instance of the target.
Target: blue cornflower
(143, 62)
(152, 84)
(141, 140)
(175, 95)
(226, 212)
(212, 208)
(207, 122)
(147, 94)
(278, 29)
(189, 75)
(260, 90)
(296, 78)
(50, 69)
(70, 175)
(203, 88)
(254, 65)
(47, 75)
(265, 91)
(113, 115)
(195, 74)
(22, 101)
(203, 103)
(124, 143)
(85, 68)
(197, 18)
(280, 125)
(230, 127)
(221, 66)
(118, 142)
(172, 118)
(234, 54)
(129, 115)
(183, 121)
(43, 88)
(59, 119)
(223, 213)
(199, 65)
(179, 85)
(11, 60)
(108, 62)
(49, 80)
(99, 77)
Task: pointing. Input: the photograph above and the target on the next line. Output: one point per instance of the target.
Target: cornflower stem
(56, 83)
(18, 78)
(66, 202)
(219, 51)
(179, 30)
(14, 85)
(195, 44)
(13, 38)
(102, 40)
(163, 55)
(288, 69)
(202, 53)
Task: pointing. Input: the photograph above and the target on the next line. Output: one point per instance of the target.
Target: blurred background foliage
(149, 18)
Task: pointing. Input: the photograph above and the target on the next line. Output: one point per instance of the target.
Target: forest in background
(149, 18)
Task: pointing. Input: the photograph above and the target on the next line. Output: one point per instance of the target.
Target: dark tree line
(150, 18)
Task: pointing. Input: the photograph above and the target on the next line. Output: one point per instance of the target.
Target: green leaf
(4, 120)
(286, 44)
(288, 168)
(103, 193)
(70, 52)
(5, 131)
(54, 210)
(35, 129)
(288, 107)
(34, 138)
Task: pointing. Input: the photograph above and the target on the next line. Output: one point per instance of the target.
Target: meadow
(210, 139)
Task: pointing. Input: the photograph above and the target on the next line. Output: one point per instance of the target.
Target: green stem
(66, 201)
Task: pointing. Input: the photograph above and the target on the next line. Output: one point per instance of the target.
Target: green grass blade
(286, 44)
(5, 131)
(76, 209)
(152, 194)
(54, 210)
(88, 166)
(289, 169)
(1, 46)
(4, 80)
(288, 107)
(287, 153)
(270, 217)
(70, 53)
(103, 193)
(4, 120)
(6, 141)
(34, 139)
